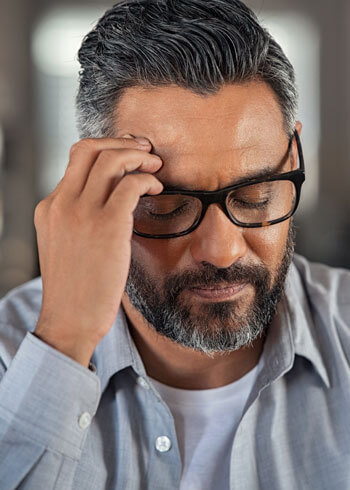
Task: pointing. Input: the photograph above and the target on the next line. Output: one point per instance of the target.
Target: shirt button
(143, 383)
(84, 420)
(92, 367)
(163, 444)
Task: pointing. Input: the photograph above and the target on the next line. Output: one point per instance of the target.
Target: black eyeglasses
(251, 204)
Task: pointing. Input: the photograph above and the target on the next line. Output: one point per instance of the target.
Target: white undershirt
(205, 422)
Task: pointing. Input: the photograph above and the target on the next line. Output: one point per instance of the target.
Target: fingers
(85, 250)
(123, 200)
(110, 167)
(83, 155)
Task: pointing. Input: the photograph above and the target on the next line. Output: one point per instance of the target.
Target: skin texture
(205, 143)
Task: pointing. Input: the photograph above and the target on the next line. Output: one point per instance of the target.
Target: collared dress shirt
(66, 427)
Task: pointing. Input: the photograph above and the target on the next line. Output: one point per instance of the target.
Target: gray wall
(323, 235)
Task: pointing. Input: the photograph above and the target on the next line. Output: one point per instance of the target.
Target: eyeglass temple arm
(300, 150)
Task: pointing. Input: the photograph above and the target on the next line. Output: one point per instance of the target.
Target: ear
(294, 151)
(298, 127)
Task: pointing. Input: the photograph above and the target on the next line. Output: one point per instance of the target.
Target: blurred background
(39, 40)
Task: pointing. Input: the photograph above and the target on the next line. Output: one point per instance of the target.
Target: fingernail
(142, 141)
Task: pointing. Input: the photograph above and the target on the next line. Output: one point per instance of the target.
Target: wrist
(78, 349)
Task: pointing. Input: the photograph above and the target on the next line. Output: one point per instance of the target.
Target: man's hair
(200, 45)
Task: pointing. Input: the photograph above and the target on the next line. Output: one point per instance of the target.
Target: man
(173, 341)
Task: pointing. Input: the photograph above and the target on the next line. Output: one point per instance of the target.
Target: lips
(218, 287)
(219, 291)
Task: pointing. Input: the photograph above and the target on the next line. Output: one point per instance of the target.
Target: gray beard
(218, 327)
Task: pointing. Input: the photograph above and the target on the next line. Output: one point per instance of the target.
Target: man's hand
(84, 230)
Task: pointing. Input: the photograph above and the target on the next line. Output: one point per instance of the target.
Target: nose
(217, 240)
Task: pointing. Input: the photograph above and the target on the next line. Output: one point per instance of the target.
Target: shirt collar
(117, 351)
(291, 333)
(302, 325)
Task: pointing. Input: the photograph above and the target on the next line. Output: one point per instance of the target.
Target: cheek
(268, 244)
(158, 256)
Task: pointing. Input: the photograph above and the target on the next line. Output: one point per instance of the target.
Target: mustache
(210, 276)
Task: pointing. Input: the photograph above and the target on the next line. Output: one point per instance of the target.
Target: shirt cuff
(49, 396)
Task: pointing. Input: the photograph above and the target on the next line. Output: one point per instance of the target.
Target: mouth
(218, 292)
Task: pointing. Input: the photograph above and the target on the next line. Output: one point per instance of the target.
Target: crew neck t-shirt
(206, 422)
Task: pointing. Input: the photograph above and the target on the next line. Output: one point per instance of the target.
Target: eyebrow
(263, 173)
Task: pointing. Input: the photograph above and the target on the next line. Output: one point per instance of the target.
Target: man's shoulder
(19, 313)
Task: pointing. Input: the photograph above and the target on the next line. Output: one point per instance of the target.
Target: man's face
(207, 143)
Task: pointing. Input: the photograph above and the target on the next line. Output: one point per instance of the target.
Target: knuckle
(55, 207)
(106, 156)
(39, 211)
(107, 161)
(116, 159)
(48, 209)
(83, 144)
(130, 180)
(125, 185)
(135, 180)
(64, 215)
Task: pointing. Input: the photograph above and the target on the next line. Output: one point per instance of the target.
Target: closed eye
(250, 205)
(176, 212)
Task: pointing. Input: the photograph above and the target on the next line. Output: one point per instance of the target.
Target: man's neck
(181, 367)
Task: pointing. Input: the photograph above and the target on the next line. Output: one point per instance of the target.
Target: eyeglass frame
(219, 197)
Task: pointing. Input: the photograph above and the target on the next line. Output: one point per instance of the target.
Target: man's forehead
(170, 115)
(221, 137)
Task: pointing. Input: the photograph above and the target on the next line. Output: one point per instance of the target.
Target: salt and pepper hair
(200, 45)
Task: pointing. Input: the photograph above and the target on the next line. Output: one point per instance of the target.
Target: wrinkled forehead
(206, 140)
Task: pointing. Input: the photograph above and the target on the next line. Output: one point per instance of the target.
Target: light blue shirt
(65, 427)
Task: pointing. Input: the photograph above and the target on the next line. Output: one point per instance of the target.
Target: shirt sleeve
(47, 401)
